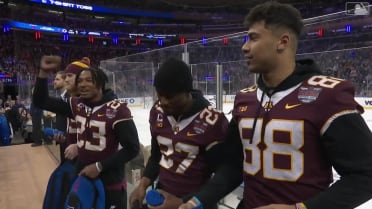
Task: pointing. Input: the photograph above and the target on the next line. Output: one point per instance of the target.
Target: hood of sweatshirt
(107, 96)
(304, 69)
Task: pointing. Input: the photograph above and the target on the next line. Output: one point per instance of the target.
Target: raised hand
(49, 64)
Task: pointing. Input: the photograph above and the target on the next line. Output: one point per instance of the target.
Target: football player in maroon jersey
(103, 123)
(187, 137)
(66, 80)
(295, 124)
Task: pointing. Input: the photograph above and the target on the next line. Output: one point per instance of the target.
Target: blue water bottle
(154, 198)
(51, 132)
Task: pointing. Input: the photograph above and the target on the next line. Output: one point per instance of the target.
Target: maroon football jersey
(283, 161)
(71, 136)
(183, 144)
(95, 128)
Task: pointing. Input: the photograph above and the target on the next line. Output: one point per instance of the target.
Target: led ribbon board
(30, 26)
(104, 9)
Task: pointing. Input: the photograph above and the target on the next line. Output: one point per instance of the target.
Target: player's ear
(283, 42)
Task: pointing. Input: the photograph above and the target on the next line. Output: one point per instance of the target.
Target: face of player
(87, 88)
(260, 51)
(174, 104)
(70, 82)
(58, 82)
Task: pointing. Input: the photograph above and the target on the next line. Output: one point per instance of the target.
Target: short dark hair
(98, 76)
(62, 73)
(276, 14)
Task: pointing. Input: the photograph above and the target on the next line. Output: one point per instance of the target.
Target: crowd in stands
(353, 65)
(20, 52)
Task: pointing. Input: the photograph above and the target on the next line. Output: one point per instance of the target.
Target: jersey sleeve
(336, 98)
(219, 122)
(347, 142)
(121, 110)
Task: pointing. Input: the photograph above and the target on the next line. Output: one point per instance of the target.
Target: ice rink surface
(140, 116)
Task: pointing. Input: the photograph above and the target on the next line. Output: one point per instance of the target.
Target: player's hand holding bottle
(160, 199)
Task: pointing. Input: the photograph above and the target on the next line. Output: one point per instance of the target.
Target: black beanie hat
(173, 76)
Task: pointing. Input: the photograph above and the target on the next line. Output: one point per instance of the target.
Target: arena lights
(204, 40)
(65, 37)
(348, 28)
(138, 41)
(94, 33)
(342, 30)
(37, 35)
(160, 42)
(182, 40)
(6, 28)
(115, 39)
(211, 78)
(225, 40)
(320, 32)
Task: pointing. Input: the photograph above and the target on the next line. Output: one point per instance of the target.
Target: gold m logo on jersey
(159, 124)
(176, 129)
(268, 105)
(243, 108)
